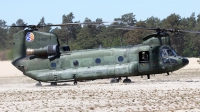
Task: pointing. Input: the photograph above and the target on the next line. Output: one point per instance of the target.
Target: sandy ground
(8, 70)
(180, 91)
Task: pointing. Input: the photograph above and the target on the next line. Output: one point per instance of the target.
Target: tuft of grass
(9, 54)
(6, 55)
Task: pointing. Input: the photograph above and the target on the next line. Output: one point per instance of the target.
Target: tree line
(91, 36)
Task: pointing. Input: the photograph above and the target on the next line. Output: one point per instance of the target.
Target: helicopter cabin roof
(108, 48)
(155, 35)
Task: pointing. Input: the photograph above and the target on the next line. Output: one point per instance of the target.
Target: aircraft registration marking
(42, 39)
(90, 72)
(53, 73)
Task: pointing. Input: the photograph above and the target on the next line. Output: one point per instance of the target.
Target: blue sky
(53, 10)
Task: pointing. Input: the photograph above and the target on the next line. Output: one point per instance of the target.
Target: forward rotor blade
(136, 28)
(185, 31)
(157, 29)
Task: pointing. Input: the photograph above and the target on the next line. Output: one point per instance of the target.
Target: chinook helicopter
(40, 56)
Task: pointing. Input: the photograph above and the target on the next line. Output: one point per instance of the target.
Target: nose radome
(185, 61)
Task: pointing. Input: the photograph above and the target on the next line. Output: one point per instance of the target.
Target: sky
(31, 11)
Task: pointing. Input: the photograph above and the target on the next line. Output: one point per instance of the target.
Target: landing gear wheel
(119, 79)
(127, 80)
(53, 83)
(75, 82)
(114, 80)
(38, 84)
(148, 76)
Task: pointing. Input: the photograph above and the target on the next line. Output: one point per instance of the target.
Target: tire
(127, 81)
(114, 80)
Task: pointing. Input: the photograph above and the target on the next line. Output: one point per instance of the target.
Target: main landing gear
(148, 76)
(114, 80)
(38, 84)
(53, 83)
(75, 82)
(127, 80)
(74, 77)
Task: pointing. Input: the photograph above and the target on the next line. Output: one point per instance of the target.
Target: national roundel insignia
(29, 37)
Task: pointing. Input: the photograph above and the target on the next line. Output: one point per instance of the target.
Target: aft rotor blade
(88, 23)
(19, 26)
(63, 24)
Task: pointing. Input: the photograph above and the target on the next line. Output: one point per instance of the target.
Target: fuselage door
(144, 61)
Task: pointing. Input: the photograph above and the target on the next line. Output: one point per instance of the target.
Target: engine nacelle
(47, 52)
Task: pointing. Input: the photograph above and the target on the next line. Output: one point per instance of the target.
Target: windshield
(174, 53)
(171, 52)
(166, 53)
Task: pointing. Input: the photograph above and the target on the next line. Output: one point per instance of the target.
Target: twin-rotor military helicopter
(40, 56)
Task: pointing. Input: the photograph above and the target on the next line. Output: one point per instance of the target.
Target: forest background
(87, 37)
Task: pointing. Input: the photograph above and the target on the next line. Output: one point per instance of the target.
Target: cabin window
(98, 61)
(144, 56)
(75, 63)
(120, 59)
(53, 65)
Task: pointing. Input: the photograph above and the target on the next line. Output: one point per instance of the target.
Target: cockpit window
(167, 60)
(174, 53)
(166, 53)
(169, 52)
(163, 54)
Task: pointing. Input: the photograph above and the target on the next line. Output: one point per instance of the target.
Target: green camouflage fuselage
(92, 63)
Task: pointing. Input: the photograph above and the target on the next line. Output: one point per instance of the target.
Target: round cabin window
(98, 61)
(75, 63)
(120, 59)
(53, 65)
